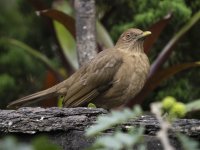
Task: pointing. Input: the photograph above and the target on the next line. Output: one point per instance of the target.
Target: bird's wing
(96, 79)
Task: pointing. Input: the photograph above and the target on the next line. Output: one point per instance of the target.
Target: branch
(66, 126)
(85, 30)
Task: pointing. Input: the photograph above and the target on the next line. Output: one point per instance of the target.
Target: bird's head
(132, 39)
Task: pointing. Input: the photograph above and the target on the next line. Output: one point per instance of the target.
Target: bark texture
(65, 126)
(85, 30)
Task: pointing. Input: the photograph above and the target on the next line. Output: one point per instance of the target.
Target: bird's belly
(128, 81)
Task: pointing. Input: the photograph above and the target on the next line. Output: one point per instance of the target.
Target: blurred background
(37, 49)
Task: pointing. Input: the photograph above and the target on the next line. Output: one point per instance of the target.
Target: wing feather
(96, 79)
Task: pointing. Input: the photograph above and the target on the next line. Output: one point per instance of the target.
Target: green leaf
(120, 140)
(108, 142)
(67, 44)
(33, 52)
(166, 73)
(164, 55)
(11, 143)
(193, 109)
(60, 17)
(66, 36)
(43, 143)
(114, 118)
(159, 77)
(193, 106)
(64, 26)
(129, 139)
(38, 143)
(187, 143)
(155, 77)
(103, 37)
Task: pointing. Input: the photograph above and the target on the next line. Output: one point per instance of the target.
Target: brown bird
(113, 77)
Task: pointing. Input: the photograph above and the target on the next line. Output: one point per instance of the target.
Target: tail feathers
(39, 96)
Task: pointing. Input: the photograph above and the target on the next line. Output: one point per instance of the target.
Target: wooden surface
(66, 126)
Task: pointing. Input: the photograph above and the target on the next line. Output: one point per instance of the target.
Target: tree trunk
(85, 30)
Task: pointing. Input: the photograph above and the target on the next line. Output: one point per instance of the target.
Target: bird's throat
(138, 47)
(131, 48)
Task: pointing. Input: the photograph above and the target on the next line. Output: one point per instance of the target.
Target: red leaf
(50, 80)
(156, 30)
(61, 17)
(161, 59)
(160, 76)
(169, 47)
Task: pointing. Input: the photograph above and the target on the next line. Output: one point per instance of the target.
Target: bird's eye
(128, 36)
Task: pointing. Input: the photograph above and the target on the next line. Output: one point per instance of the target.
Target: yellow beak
(145, 33)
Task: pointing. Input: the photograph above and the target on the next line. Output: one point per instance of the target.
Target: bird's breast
(139, 70)
(130, 77)
(127, 82)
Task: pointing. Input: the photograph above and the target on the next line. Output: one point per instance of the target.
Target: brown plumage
(114, 76)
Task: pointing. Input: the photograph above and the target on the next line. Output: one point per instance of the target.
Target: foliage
(113, 119)
(138, 13)
(177, 109)
(120, 140)
(141, 14)
(174, 108)
(187, 143)
(193, 109)
(184, 51)
(193, 106)
(21, 68)
(166, 123)
(39, 143)
(14, 19)
(43, 143)
(117, 140)
(17, 68)
(30, 51)
(151, 14)
(157, 74)
(7, 84)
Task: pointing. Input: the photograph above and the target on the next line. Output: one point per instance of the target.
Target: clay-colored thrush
(113, 77)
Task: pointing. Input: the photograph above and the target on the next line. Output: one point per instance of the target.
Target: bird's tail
(51, 92)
